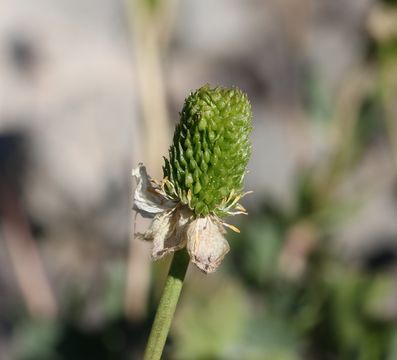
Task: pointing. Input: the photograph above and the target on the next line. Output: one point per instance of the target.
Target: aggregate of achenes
(210, 148)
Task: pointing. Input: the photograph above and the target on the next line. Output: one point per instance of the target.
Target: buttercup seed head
(210, 150)
(203, 178)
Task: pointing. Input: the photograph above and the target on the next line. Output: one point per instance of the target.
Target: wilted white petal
(206, 245)
(147, 201)
(168, 232)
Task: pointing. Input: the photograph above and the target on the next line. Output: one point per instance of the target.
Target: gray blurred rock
(68, 82)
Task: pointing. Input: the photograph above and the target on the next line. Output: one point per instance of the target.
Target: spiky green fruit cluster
(210, 149)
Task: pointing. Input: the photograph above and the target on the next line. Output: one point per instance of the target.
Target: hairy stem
(166, 309)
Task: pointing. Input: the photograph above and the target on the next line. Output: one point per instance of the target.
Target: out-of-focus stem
(147, 53)
(343, 129)
(388, 93)
(24, 254)
(146, 30)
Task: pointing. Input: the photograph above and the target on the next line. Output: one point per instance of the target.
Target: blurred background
(90, 88)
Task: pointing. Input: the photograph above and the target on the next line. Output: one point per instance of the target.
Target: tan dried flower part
(175, 226)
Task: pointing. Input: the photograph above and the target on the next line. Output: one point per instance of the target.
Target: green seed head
(210, 150)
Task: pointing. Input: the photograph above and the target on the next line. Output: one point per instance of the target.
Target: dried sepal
(149, 199)
(167, 231)
(206, 244)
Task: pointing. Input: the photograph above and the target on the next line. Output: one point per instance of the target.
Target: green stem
(166, 309)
